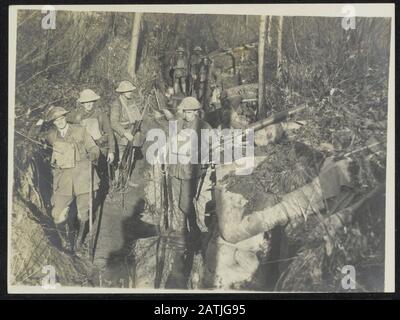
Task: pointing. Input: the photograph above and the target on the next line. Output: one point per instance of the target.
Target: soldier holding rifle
(125, 113)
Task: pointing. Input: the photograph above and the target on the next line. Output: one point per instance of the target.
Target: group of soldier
(193, 76)
(87, 141)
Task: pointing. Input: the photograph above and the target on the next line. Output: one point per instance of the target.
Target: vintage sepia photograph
(205, 148)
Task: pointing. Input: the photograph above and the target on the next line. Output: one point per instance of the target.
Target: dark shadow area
(119, 263)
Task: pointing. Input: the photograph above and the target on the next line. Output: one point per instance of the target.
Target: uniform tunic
(75, 181)
(106, 142)
(179, 67)
(183, 182)
(183, 231)
(123, 116)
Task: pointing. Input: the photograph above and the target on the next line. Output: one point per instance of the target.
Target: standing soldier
(179, 71)
(97, 124)
(183, 230)
(125, 112)
(73, 150)
(195, 60)
(206, 82)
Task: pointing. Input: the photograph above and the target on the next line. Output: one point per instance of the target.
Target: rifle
(279, 117)
(91, 249)
(128, 158)
(155, 94)
(258, 125)
(369, 147)
(37, 142)
(203, 176)
(165, 197)
(164, 184)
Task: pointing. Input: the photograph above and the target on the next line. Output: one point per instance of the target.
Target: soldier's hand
(168, 114)
(110, 157)
(128, 135)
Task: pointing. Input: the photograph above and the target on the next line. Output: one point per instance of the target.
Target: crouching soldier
(124, 114)
(184, 233)
(74, 152)
(97, 124)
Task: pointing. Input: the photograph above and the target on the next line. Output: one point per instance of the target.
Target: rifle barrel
(37, 142)
(363, 148)
(275, 118)
(281, 116)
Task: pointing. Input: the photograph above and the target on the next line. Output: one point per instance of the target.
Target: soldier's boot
(79, 239)
(65, 244)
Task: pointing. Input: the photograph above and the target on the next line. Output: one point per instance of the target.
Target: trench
(120, 226)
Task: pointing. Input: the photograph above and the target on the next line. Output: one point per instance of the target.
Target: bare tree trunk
(269, 32)
(134, 45)
(279, 48)
(78, 49)
(261, 67)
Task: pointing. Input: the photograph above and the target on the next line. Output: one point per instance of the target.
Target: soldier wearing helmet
(179, 70)
(125, 112)
(97, 124)
(73, 149)
(183, 183)
(195, 60)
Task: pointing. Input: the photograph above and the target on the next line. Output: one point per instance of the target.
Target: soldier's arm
(91, 148)
(39, 132)
(114, 119)
(36, 129)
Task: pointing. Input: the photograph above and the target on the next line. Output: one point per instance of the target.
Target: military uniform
(183, 179)
(98, 125)
(179, 69)
(123, 116)
(72, 180)
(195, 61)
(73, 151)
